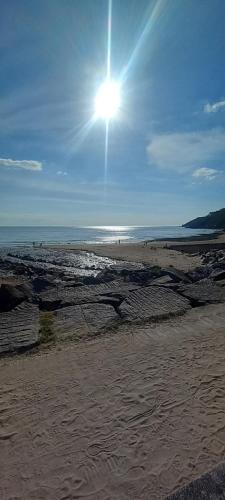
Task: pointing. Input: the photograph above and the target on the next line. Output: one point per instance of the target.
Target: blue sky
(166, 158)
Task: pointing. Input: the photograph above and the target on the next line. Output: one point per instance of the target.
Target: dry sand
(130, 416)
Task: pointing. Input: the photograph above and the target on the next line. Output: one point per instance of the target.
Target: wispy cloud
(207, 174)
(24, 164)
(61, 172)
(182, 152)
(215, 107)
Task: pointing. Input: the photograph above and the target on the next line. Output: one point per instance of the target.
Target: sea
(11, 236)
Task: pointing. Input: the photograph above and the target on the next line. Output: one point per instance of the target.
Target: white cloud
(60, 172)
(213, 108)
(182, 152)
(204, 173)
(24, 164)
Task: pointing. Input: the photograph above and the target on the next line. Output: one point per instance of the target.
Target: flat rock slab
(83, 320)
(65, 296)
(203, 292)
(210, 486)
(19, 328)
(153, 303)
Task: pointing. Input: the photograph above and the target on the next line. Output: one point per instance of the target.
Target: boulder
(140, 276)
(218, 274)
(177, 275)
(19, 328)
(152, 303)
(199, 273)
(84, 320)
(203, 292)
(66, 296)
(12, 295)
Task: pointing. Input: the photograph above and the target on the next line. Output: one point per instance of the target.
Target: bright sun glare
(107, 100)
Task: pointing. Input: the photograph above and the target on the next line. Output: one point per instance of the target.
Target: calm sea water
(14, 236)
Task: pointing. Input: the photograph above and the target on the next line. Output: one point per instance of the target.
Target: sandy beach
(134, 415)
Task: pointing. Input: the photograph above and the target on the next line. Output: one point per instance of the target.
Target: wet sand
(176, 253)
(128, 416)
(153, 254)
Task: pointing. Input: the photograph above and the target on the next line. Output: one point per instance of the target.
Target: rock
(62, 297)
(163, 280)
(73, 284)
(203, 292)
(199, 273)
(152, 303)
(106, 275)
(91, 280)
(133, 273)
(81, 321)
(210, 486)
(217, 275)
(176, 275)
(19, 328)
(215, 259)
(140, 276)
(12, 295)
(221, 282)
(41, 283)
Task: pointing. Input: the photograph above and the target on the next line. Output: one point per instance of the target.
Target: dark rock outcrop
(41, 283)
(58, 297)
(217, 274)
(152, 303)
(19, 328)
(203, 292)
(12, 295)
(176, 275)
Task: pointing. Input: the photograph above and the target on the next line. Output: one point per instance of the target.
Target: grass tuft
(47, 333)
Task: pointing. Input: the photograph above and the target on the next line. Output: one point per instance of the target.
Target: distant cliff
(214, 220)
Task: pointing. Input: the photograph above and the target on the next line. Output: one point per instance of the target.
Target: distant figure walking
(33, 243)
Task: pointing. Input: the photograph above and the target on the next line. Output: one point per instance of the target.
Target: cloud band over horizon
(23, 164)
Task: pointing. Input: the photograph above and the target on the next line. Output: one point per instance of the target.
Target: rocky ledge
(37, 305)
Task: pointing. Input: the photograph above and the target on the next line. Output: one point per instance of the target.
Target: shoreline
(215, 236)
(163, 253)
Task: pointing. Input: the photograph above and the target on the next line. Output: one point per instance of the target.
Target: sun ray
(82, 133)
(109, 40)
(108, 79)
(152, 18)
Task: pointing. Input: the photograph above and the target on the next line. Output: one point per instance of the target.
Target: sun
(107, 100)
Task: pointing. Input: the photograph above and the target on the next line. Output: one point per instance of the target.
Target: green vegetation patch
(47, 333)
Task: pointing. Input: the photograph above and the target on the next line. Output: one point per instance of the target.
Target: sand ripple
(131, 416)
